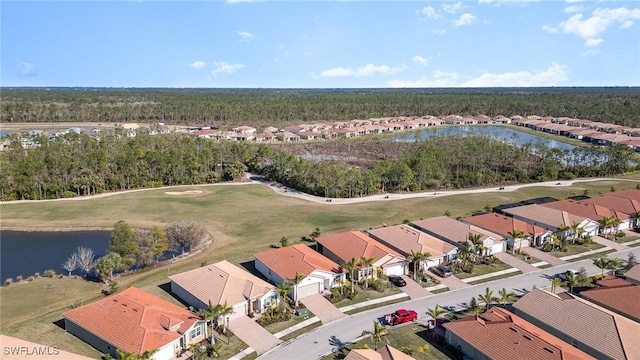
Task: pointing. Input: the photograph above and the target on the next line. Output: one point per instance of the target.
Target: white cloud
(574, 9)
(245, 36)
(27, 69)
(600, 20)
(420, 60)
(231, 2)
(465, 19)
(593, 42)
(574, 1)
(507, 2)
(452, 9)
(367, 70)
(590, 52)
(222, 67)
(439, 32)
(430, 13)
(554, 75)
(198, 65)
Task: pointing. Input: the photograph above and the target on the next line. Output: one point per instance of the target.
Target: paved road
(330, 337)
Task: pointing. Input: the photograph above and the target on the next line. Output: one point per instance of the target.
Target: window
(197, 331)
(574, 342)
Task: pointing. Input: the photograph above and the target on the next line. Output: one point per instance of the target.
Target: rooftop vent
(549, 350)
(513, 329)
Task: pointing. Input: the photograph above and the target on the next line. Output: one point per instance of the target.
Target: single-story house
(457, 233)
(505, 226)
(552, 219)
(135, 321)
(499, 334)
(386, 352)
(593, 329)
(633, 275)
(18, 349)
(631, 207)
(621, 298)
(282, 264)
(224, 282)
(591, 211)
(342, 247)
(406, 239)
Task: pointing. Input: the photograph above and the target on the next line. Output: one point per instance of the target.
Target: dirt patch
(188, 192)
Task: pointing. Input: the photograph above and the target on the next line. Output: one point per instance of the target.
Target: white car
(563, 275)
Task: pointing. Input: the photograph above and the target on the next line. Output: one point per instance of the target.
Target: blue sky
(320, 44)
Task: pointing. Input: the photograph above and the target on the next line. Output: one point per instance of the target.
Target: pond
(26, 253)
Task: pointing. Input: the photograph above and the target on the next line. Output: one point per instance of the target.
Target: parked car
(563, 275)
(401, 316)
(397, 280)
(440, 270)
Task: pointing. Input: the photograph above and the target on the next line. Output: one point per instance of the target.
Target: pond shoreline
(53, 228)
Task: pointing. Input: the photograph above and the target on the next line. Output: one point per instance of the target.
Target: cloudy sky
(320, 44)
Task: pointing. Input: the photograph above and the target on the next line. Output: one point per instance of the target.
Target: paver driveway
(413, 289)
(322, 308)
(514, 262)
(253, 334)
(452, 282)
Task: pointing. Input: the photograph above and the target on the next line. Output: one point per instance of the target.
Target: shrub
(30, 278)
(18, 278)
(69, 194)
(8, 282)
(49, 273)
(275, 315)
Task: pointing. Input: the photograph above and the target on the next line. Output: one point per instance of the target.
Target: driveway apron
(413, 289)
(606, 242)
(515, 262)
(452, 282)
(544, 256)
(253, 334)
(322, 308)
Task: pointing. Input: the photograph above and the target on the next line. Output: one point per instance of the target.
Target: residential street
(332, 336)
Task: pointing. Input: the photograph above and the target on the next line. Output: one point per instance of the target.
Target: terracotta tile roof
(627, 206)
(632, 194)
(390, 353)
(384, 353)
(503, 225)
(222, 282)
(611, 281)
(544, 215)
(405, 239)
(501, 335)
(300, 258)
(453, 230)
(616, 336)
(356, 244)
(18, 349)
(633, 274)
(133, 320)
(621, 299)
(584, 209)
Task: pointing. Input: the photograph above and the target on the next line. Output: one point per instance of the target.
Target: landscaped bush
(49, 273)
(30, 278)
(272, 316)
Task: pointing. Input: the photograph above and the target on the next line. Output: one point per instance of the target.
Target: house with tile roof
(593, 329)
(631, 194)
(135, 321)
(384, 353)
(342, 247)
(406, 239)
(552, 219)
(633, 275)
(457, 233)
(500, 334)
(18, 349)
(224, 282)
(282, 264)
(629, 206)
(621, 298)
(590, 211)
(505, 227)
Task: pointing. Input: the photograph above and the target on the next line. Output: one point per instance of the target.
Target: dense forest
(226, 108)
(75, 164)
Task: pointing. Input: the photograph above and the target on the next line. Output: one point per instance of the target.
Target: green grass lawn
(241, 219)
(525, 257)
(495, 278)
(574, 249)
(482, 269)
(369, 307)
(411, 336)
(365, 295)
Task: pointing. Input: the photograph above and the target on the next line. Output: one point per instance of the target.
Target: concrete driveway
(413, 289)
(544, 256)
(322, 308)
(606, 242)
(452, 282)
(514, 262)
(253, 334)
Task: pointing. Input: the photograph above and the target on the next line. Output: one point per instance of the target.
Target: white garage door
(397, 269)
(306, 290)
(497, 247)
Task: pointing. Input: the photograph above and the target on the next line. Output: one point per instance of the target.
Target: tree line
(226, 108)
(76, 164)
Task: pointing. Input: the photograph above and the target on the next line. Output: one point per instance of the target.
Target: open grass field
(242, 220)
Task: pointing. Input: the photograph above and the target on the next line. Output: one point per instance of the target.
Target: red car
(401, 316)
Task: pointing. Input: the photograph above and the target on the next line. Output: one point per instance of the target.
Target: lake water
(26, 253)
(500, 133)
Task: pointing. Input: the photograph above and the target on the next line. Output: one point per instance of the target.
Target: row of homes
(135, 321)
(601, 323)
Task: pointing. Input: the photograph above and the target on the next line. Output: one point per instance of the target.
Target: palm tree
(351, 267)
(487, 298)
(436, 312)
(614, 264)
(517, 234)
(602, 263)
(476, 240)
(284, 289)
(416, 258)
(506, 297)
(555, 283)
(571, 280)
(378, 332)
(366, 263)
(211, 311)
(606, 223)
(223, 311)
(297, 279)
